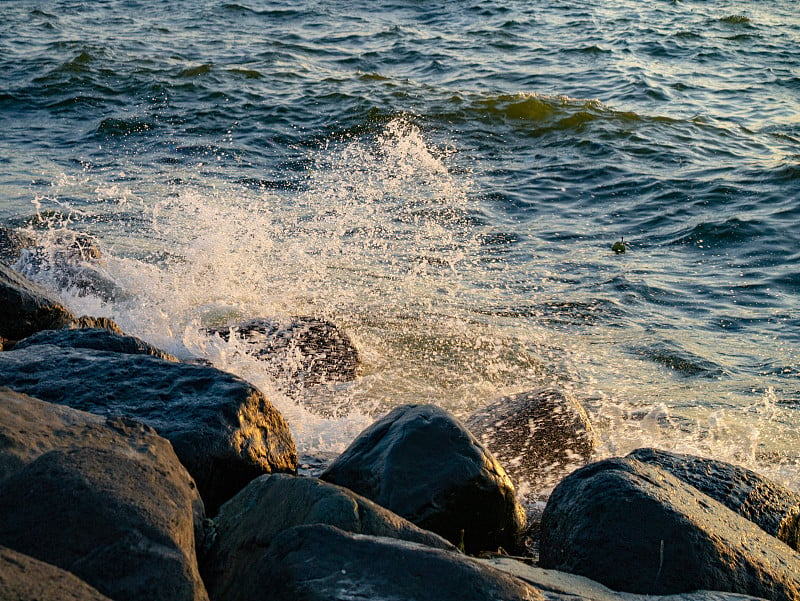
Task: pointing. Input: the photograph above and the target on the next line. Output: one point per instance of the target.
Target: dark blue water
(444, 180)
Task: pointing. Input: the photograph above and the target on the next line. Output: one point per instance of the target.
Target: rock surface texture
(537, 436)
(223, 429)
(106, 500)
(302, 351)
(23, 578)
(247, 524)
(423, 464)
(636, 528)
(775, 509)
(323, 563)
(27, 308)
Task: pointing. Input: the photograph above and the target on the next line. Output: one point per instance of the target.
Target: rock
(537, 436)
(423, 464)
(223, 429)
(304, 351)
(581, 587)
(100, 339)
(86, 321)
(323, 563)
(105, 499)
(247, 524)
(12, 245)
(23, 578)
(773, 508)
(636, 528)
(27, 308)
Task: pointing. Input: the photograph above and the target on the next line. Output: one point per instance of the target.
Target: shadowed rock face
(247, 524)
(223, 429)
(105, 499)
(537, 436)
(304, 351)
(97, 338)
(323, 563)
(423, 464)
(27, 308)
(773, 508)
(636, 528)
(23, 578)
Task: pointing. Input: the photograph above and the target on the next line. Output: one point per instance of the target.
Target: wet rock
(773, 508)
(12, 245)
(105, 499)
(423, 464)
(100, 339)
(323, 563)
(636, 528)
(23, 578)
(247, 524)
(86, 321)
(223, 429)
(581, 587)
(304, 351)
(537, 436)
(27, 308)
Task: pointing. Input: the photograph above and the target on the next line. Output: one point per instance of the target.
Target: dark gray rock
(775, 509)
(423, 464)
(223, 429)
(247, 524)
(537, 436)
(635, 527)
(13, 244)
(23, 578)
(581, 587)
(303, 351)
(111, 504)
(100, 339)
(25, 308)
(323, 563)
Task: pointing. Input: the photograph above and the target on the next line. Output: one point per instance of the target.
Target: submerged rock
(773, 508)
(636, 528)
(23, 578)
(304, 351)
(537, 436)
(27, 308)
(105, 499)
(247, 524)
(223, 429)
(423, 464)
(323, 563)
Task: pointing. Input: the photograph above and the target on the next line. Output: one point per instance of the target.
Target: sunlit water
(444, 182)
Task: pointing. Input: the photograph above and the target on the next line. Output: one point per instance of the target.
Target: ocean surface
(444, 181)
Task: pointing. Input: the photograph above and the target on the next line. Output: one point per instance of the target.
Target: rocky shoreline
(126, 474)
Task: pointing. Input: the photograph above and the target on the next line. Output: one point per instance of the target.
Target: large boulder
(97, 338)
(23, 578)
(105, 499)
(423, 464)
(775, 509)
(302, 351)
(323, 563)
(26, 308)
(223, 429)
(635, 527)
(247, 524)
(537, 436)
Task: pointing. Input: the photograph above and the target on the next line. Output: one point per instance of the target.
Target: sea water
(444, 181)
